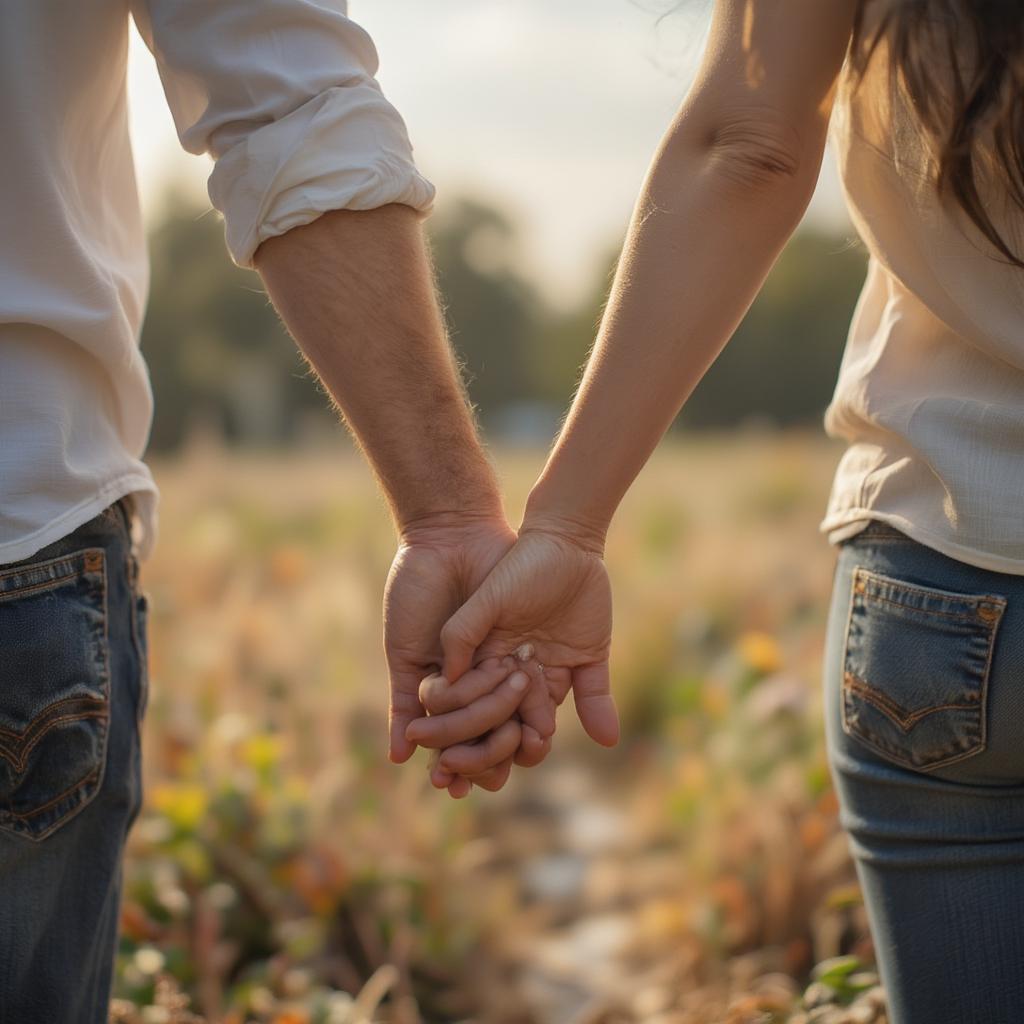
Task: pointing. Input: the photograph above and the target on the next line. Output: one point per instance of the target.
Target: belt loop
(126, 514)
(126, 504)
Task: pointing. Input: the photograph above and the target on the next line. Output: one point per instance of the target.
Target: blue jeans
(924, 703)
(72, 696)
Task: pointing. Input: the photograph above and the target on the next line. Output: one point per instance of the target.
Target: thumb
(591, 690)
(463, 633)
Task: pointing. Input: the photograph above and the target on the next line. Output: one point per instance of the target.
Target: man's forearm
(356, 292)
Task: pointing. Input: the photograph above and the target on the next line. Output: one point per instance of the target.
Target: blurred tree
(217, 353)
(219, 357)
(781, 364)
(563, 346)
(494, 315)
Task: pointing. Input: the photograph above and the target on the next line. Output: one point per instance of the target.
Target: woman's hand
(551, 590)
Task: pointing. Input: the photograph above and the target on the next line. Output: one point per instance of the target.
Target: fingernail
(519, 681)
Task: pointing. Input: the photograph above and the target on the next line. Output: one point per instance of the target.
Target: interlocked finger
(478, 718)
(472, 759)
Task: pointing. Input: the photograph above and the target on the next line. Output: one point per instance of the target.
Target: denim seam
(846, 642)
(141, 660)
(141, 657)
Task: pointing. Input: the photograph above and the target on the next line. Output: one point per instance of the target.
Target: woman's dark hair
(978, 47)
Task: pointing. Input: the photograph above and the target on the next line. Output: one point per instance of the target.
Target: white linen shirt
(280, 93)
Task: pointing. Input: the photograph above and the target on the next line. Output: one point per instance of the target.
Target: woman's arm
(728, 185)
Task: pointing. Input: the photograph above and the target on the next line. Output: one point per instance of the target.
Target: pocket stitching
(978, 600)
(89, 559)
(894, 711)
(990, 626)
(969, 616)
(893, 754)
(93, 776)
(49, 720)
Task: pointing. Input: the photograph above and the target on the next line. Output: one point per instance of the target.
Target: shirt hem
(960, 552)
(69, 521)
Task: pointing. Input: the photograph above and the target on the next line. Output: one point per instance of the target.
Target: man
(314, 176)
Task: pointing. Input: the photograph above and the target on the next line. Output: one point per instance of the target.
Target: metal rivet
(94, 561)
(988, 611)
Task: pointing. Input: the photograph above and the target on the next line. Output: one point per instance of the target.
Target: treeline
(221, 362)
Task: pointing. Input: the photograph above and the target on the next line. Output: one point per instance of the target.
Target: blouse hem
(959, 552)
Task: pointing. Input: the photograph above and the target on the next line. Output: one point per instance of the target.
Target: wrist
(441, 526)
(455, 497)
(544, 516)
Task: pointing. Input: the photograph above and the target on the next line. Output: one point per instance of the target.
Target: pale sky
(552, 110)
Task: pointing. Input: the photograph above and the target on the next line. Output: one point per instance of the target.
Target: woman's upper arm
(766, 82)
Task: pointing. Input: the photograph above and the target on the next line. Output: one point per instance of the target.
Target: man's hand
(436, 568)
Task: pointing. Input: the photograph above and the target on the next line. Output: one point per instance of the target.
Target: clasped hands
(486, 631)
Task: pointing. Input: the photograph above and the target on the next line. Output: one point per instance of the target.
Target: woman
(924, 659)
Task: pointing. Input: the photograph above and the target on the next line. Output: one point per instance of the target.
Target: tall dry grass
(284, 871)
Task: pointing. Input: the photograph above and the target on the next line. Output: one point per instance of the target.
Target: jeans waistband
(880, 528)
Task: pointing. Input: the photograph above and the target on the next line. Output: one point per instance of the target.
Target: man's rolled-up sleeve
(282, 95)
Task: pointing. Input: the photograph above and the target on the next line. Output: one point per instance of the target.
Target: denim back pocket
(916, 665)
(54, 690)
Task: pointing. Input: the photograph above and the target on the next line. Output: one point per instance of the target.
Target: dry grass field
(283, 871)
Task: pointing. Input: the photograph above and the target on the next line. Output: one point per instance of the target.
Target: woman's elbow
(760, 151)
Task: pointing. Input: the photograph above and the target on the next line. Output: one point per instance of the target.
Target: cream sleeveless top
(930, 392)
